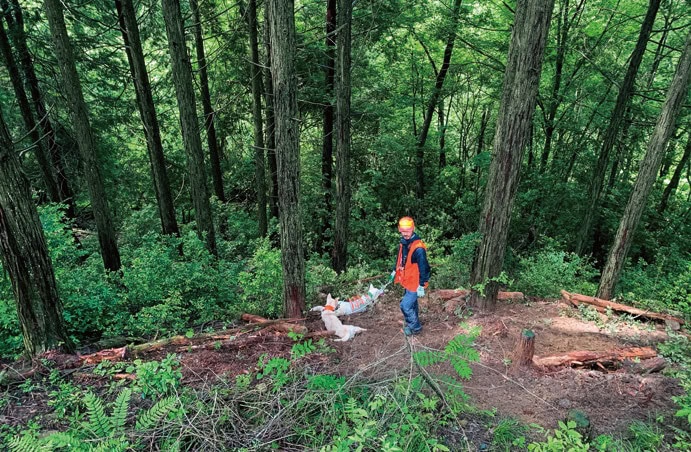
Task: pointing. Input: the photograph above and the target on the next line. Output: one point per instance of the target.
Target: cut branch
(602, 305)
(589, 358)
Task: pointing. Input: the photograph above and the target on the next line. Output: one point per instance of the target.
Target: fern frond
(119, 416)
(26, 443)
(153, 415)
(461, 367)
(99, 423)
(427, 358)
(119, 444)
(64, 440)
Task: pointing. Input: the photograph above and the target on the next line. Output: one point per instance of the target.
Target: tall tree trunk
(646, 175)
(433, 102)
(442, 133)
(674, 182)
(86, 141)
(211, 140)
(259, 148)
(339, 257)
(282, 30)
(28, 117)
(25, 258)
(616, 119)
(15, 22)
(147, 113)
(270, 122)
(184, 90)
(328, 120)
(563, 28)
(521, 81)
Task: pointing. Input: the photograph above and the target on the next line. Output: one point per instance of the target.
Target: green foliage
(545, 273)
(645, 436)
(664, 286)
(564, 439)
(156, 378)
(101, 431)
(453, 270)
(459, 352)
(506, 432)
(261, 282)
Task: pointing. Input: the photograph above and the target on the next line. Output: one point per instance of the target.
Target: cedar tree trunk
(282, 30)
(86, 141)
(259, 148)
(646, 175)
(184, 90)
(521, 81)
(147, 112)
(339, 256)
(25, 258)
(211, 140)
(625, 92)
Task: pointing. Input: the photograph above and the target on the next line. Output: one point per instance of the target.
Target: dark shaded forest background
(416, 148)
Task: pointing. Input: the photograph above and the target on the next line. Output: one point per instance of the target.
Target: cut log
(523, 354)
(282, 325)
(646, 366)
(448, 294)
(602, 305)
(589, 358)
(112, 354)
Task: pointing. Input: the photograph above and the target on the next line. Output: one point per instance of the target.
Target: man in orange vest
(412, 272)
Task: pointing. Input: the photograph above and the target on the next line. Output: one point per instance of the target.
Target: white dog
(333, 323)
(358, 303)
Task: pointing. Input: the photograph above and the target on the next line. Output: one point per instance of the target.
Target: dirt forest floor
(612, 399)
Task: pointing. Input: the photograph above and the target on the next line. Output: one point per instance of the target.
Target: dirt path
(612, 400)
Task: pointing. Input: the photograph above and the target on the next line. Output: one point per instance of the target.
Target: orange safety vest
(408, 275)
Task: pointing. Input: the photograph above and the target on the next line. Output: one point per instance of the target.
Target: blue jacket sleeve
(420, 258)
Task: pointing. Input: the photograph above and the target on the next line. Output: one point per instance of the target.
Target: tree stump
(525, 349)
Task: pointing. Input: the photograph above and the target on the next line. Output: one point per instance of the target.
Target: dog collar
(328, 308)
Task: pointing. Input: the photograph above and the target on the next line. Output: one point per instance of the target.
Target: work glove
(420, 291)
(392, 276)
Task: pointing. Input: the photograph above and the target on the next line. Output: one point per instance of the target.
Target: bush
(545, 273)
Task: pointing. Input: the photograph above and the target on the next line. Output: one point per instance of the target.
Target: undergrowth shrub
(663, 286)
(546, 272)
(261, 282)
(453, 270)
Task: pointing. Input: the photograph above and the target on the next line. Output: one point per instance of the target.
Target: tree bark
(521, 81)
(184, 90)
(646, 175)
(282, 31)
(211, 140)
(86, 141)
(259, 148)
(147, 113)
(676, 177)
(525, 349)
(25, 258)
(270, 122)
(612, 131)
(433, 102)
(339, 256)
(28, 117)
(328, 121)
(15, 22)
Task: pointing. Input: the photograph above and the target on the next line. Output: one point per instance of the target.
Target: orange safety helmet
(406, 224)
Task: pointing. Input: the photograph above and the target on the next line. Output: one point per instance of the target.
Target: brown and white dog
(333, 323)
